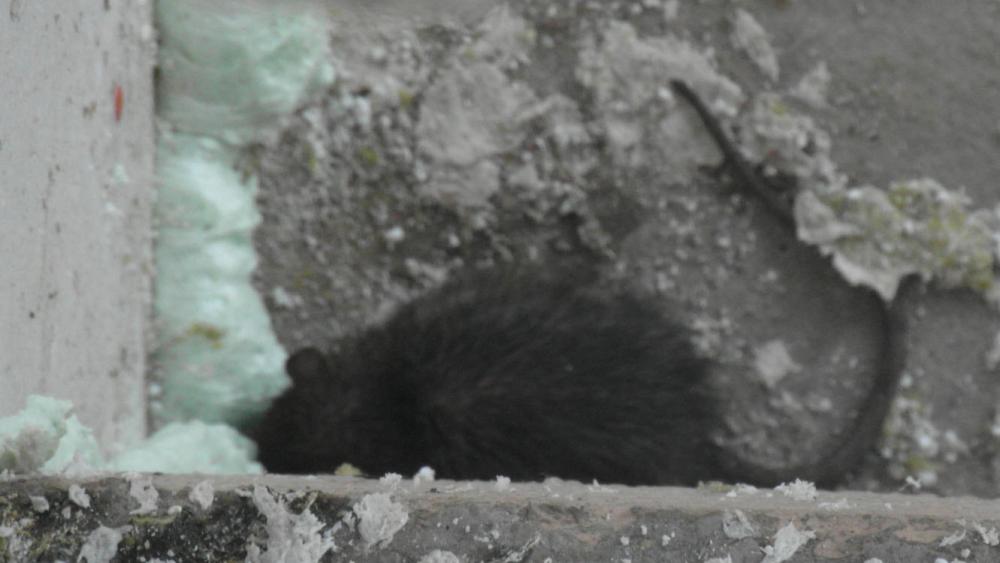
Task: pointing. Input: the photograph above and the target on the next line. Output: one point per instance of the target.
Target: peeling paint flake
(102, 544)
(379, 518)
(142, 490)
(290, 536)
(39, 503)
(79, 496)
(773, 362)
(425, 474)
(751, 38)
(736, 525)
(18, 543)
(989, 537)
(787, 541)
(438, 556)
(203, 494)
(798, 490)
(813, 86)
(953, 538)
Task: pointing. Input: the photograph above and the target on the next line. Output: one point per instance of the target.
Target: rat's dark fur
(515, 373)
(528, 374)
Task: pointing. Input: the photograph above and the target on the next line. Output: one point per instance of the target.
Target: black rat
(529, 373)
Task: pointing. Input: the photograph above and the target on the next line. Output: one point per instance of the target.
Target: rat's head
(334, 413)
(296, 434)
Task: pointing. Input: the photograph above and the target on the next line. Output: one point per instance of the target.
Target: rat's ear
(306, 364)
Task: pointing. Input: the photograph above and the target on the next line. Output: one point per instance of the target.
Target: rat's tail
(845, 451)
(848, 448)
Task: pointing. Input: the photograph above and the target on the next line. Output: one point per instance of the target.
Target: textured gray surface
(75, 188)
(482, 522)
(357, 218)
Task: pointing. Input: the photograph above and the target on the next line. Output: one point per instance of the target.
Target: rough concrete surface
(76, 165)
(275, 518)
(441, 148)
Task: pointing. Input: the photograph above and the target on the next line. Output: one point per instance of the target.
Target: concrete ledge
(278, 518)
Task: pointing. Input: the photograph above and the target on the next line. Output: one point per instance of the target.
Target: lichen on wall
(874, 236)
(877, 237)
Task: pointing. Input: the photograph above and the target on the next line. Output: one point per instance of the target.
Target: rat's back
(528, 375)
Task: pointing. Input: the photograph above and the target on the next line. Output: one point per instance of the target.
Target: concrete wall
(76, 181)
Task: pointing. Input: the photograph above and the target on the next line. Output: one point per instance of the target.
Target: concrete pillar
(76, 181)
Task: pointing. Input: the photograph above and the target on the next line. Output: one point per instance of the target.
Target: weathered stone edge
(492, 521)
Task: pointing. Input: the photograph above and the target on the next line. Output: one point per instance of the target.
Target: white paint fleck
(18, 543)
(990, 537)
(142, 490)
(79, 496)
(503, 483)
(395, 234)
(203, 494)
(102, 544)
(773, 362)
(424, 474)
(736, 525)
(379, 518)
(670, 8)
(596, 487)
(798, 490)
(953, 538)
(282, 298)
(624, 540)
(525, 177)
(438, 556)
(750, 37)
(742, 489)
(290, 537)
(787, 541)
(993, 354)
(391, 481)
(812, 88)
(841, 504)
(726, 559)
(518, 555)
(39, 504)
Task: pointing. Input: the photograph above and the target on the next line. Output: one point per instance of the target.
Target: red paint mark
(119, 102)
